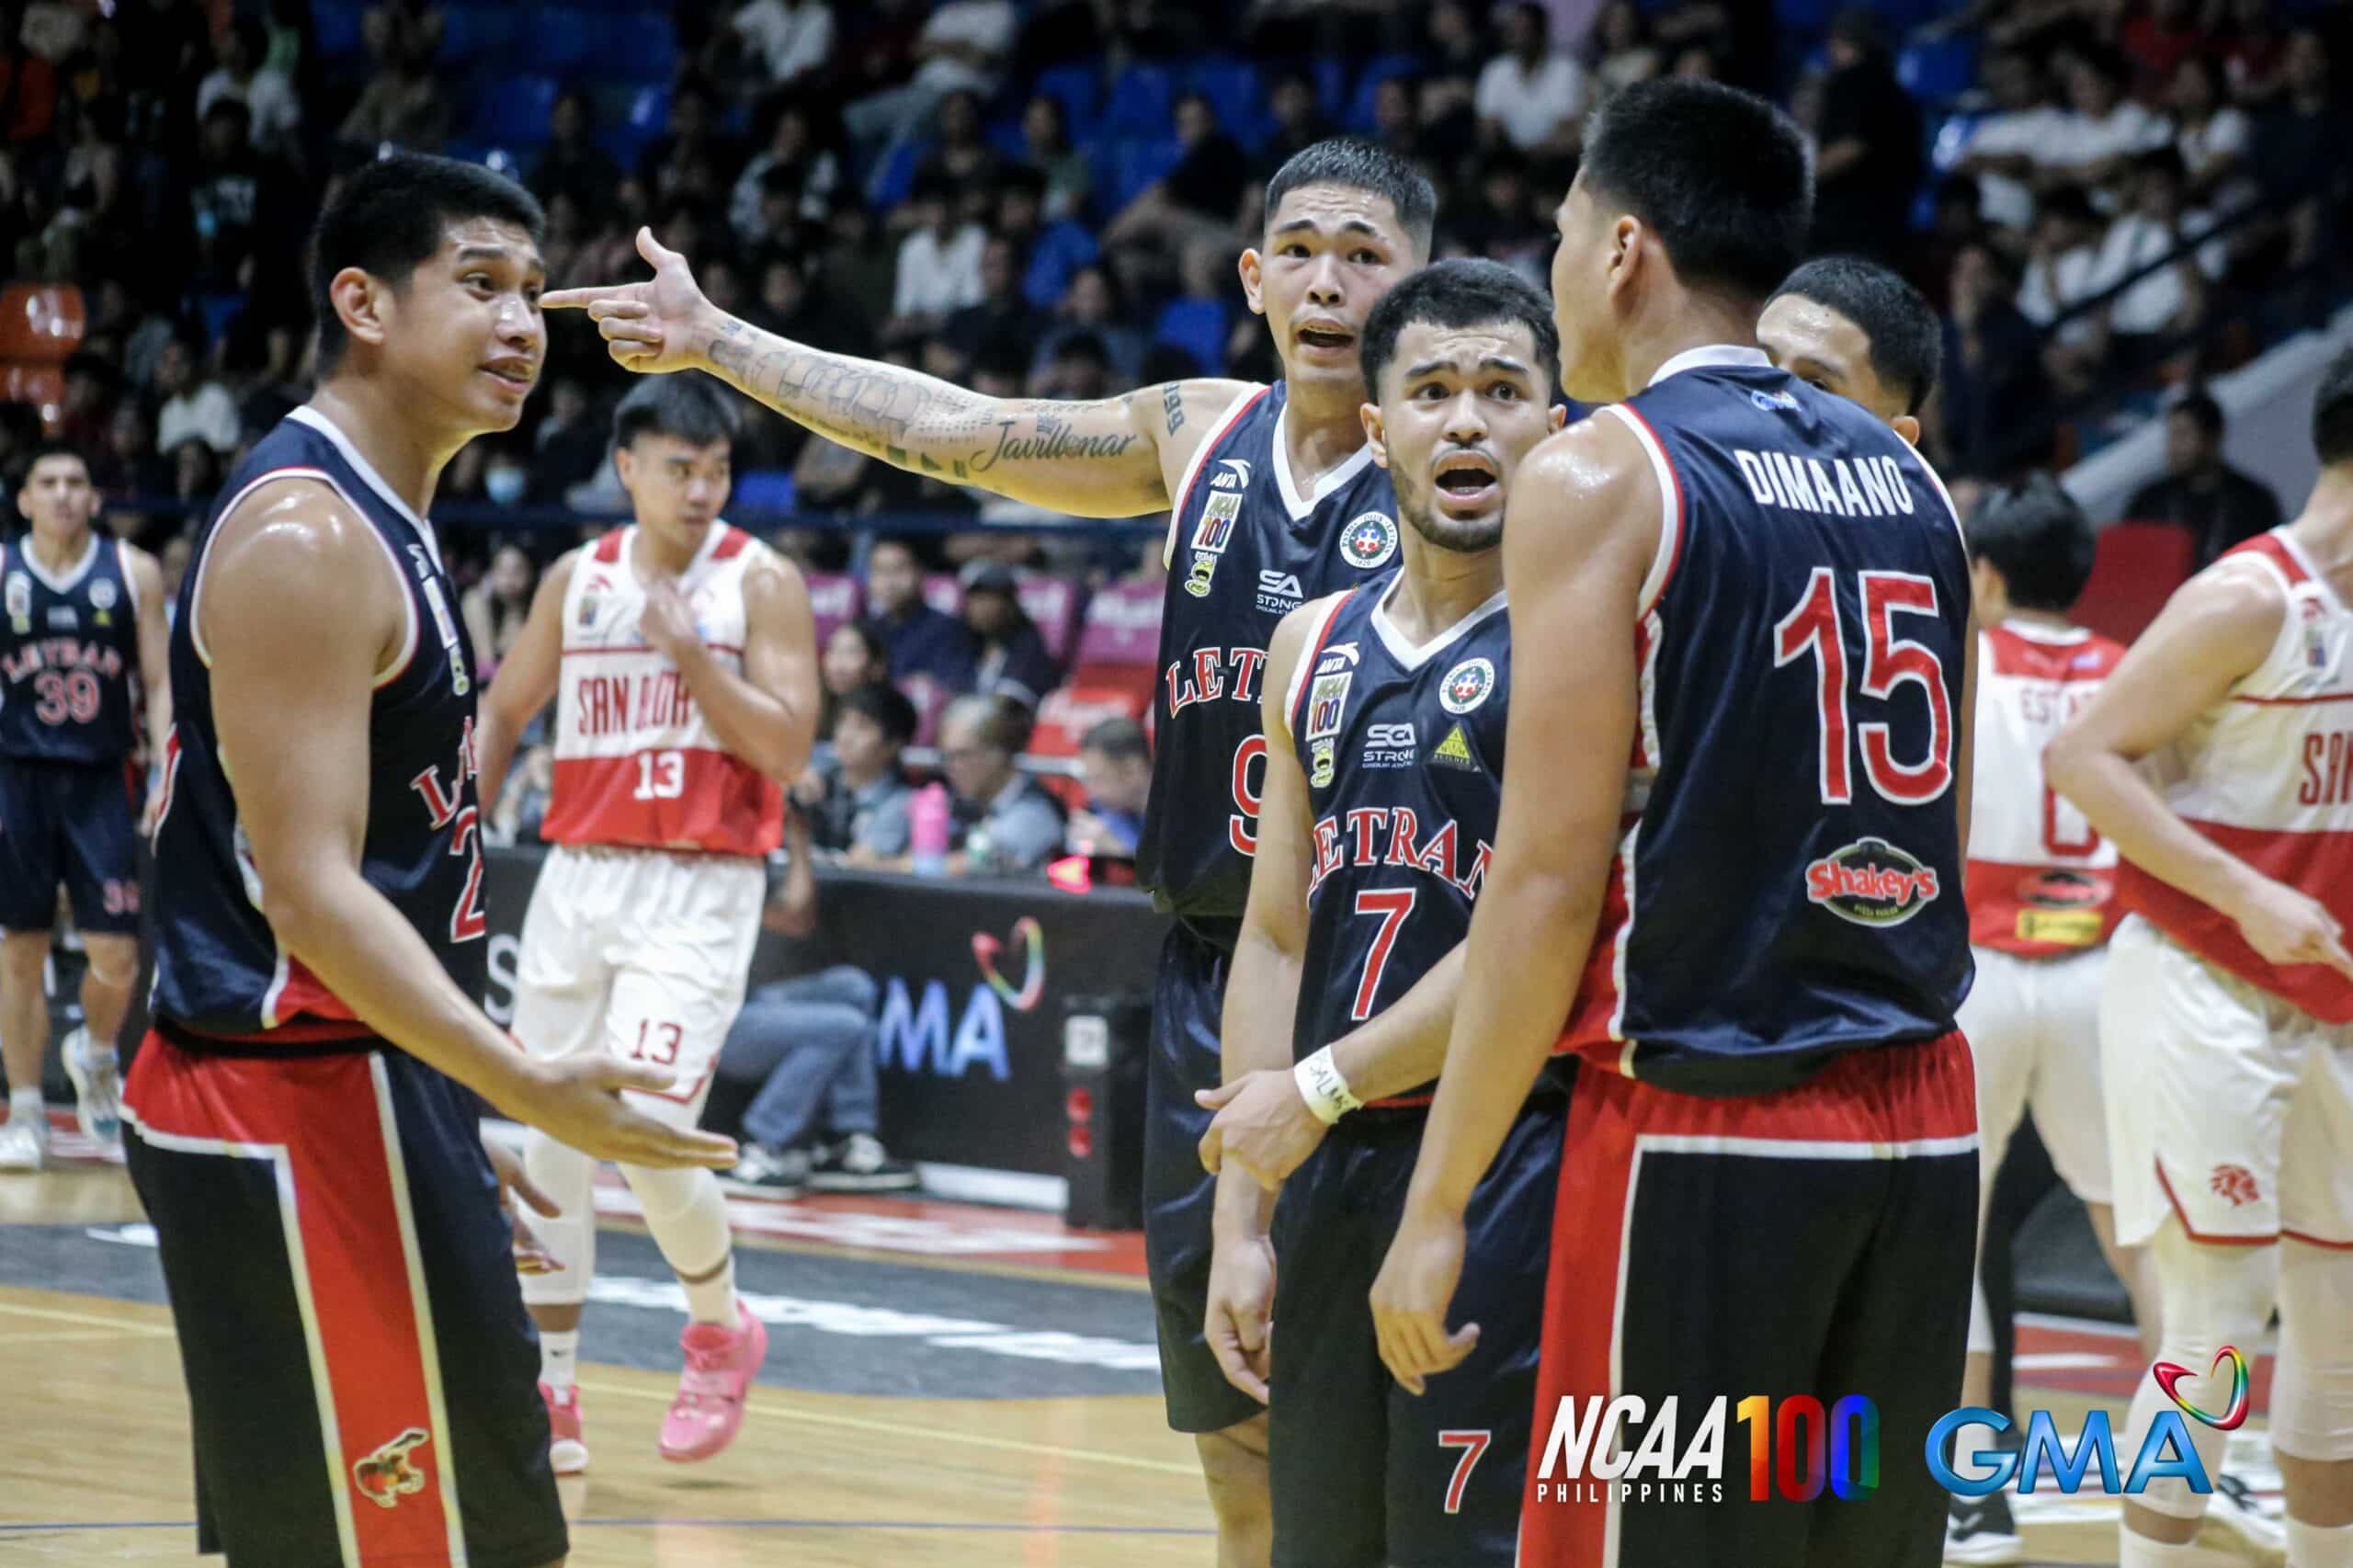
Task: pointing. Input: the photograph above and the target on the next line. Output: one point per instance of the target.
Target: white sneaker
(97, 1089)
(2255, 1527)
(24, 1144)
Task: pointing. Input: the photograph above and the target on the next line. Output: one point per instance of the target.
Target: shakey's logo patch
(389, 1474)
(1871, 882)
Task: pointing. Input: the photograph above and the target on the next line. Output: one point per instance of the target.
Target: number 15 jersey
(637, 764)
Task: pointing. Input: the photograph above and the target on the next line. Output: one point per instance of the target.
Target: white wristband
(1322, 1086)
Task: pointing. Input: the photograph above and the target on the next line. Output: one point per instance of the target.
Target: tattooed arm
(1113, 458)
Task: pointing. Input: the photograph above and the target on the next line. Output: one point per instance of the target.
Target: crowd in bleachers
(1045, 196)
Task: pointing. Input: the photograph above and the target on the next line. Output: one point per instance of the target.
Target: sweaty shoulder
(1597, 480)
(294, 543)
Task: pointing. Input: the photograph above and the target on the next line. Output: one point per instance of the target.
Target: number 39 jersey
(637, 764)
(69, 651)
(1402, 748)
(1246, 546)
(1787, 884)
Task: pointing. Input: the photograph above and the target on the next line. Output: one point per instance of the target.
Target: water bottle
(927, 831)
(980, 855)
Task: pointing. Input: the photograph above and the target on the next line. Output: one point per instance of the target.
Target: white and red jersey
(637, 765)
(2268, 775)
(2041, 882)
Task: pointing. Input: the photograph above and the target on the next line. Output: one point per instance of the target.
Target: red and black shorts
(362, 1377)
(1811, 1243)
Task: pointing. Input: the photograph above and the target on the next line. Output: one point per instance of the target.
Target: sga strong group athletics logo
(2165, 1452)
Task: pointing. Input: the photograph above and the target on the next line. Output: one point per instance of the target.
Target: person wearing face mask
(495, 608)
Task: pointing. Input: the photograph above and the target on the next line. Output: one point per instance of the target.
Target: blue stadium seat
(639, 47)
(1079, 90)
(1807, 17)
(1136, 162)
(1360, 116)
(1236, 93)
(1331, 79)
(563, 37)
(477, 35)
(764, 490)
(338, 24)
(1938, 71)
(894, 176)
(1144, 101)
(1196, 326)
(514, 110)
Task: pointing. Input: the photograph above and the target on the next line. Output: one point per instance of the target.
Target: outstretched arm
(1112, 457)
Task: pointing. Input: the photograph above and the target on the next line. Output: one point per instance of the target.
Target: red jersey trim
(731, 544)
(2319, 865)
(2271, 546)
(609, 549)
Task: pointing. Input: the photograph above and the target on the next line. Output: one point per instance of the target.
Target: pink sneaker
(721, 1364)
(566, 1452)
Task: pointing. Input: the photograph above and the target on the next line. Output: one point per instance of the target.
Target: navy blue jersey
(69, 654)
(220, 970)
(1245, 547)
(1402, 749)
(1790, 885)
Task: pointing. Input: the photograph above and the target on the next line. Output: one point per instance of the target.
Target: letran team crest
(1370, 540)
(1467, 684)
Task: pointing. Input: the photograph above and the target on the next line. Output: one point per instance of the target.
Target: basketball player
(682, 659)
(1751, 935)
(1384, 712)
(1273, 499)
(82, 641)
(360, 1368)
(1853, 328)
(2226, 1017)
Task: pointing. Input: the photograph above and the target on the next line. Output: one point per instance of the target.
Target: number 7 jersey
(637, 764)
(1788, 882)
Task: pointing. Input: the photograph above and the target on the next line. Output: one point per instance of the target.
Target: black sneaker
(1980, 1530)
(859, 1164)
(763, 1172)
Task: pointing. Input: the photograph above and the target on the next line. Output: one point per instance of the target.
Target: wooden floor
(94, 1463)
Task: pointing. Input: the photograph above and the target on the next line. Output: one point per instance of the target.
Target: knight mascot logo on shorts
(389, 1474)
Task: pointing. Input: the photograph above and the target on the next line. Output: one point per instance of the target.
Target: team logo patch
(1871, 882)
(1388, 746)
(2062, 906)
(102, 595)
(1773, 401)
(390, 1473)
(1335, 657)
(1233, 473)
(1215, 531)
(1278, 591)
(1467, 684)
(1326, 700)
(1370, 540)
(62, 619)
(2234, 1185)
(1196, 581)
(1320, 754)
(20, 597)
(1455, 751)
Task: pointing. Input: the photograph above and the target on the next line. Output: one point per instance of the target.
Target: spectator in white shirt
(2093, 144)
(191, 406)
(2003, 146)
(962, 48)
(1528, 94)
(2171, 300)
(939, 264)
(2062, 272)
(2212, 137)
(268, 98)
(792, 37)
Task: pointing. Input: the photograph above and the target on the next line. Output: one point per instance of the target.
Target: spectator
(86, 408)
(2004, 149)
(1056, 249)
(2255, 58)
(923, 641)
(2062, 272)
(1116, 763)
(2170, 301)
(1992, 385)
(237, 198)
(959, 159)
(495, 608)
(791, 161)
(2300, 148)
(857, 807)
(1094, 306)
(1626, 53)
(400, 104)
(2216, 503)
(1956, 219)
(130, 464)
(1046, 148)
(1199, 200)
(523, 804)
(2212, 137)
(269, 97)
(853, 657)
(962, 48)
(688, 157)
(193, 405)
(196, 472)
(1503, 224)
(572, 163)
(939, 264)
(1530, 95)
(1298, 119)
(28, 82)
(1008, 823)
(1008, 653)
(2095, 142)
(860, 261)
(792, 38)
(2156, 41)
(1868, 167)
(569, 444)
(1079, 369)
(1004, 312)
(808, 1042)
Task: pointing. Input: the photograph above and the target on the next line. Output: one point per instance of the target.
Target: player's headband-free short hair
(1358, 165)
(2038, 539)
(691, 408)
(1460, 292)
(1905, 337)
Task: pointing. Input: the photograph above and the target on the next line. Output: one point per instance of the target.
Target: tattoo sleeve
(1089, 459)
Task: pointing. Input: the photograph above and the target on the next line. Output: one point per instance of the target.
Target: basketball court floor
(945, 1384)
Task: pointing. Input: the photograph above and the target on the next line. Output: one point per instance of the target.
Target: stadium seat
(1360, 116)
(1196, 326)
(476, 35)
(1120, 637)
(1079, 90)
(1063, 719)
(1938, 69)
(894, 176)
(1135, 164)
(1236, 93)
(639, 46)
(1331, 79)
(2137, 569)
(942, 593)
(563, 37)
(833, 601)
(337, 26)
(765, 490)
(42, 323)
(1144, 101)
(1052, 603)
(515, 110)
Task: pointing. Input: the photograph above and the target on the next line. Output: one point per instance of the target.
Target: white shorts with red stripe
(642, 954)
(2227, 1107)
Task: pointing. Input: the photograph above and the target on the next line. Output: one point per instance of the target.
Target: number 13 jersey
(637, 764)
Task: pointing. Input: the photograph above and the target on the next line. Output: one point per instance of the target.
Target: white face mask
(504, 485)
